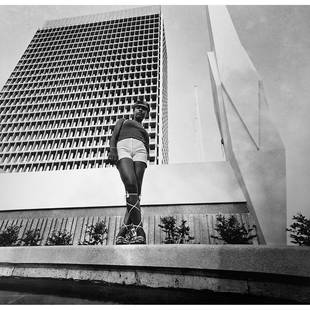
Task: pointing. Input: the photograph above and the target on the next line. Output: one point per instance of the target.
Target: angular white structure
(252, 144)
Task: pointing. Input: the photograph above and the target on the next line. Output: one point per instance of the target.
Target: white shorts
(132, 148)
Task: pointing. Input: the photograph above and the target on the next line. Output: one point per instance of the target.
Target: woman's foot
(138, 235)
(121, 237)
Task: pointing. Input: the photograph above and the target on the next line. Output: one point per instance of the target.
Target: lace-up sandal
(138, 234)
(125, 232)
(121, 236)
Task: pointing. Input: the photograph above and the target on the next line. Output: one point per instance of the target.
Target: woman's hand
(113, 157)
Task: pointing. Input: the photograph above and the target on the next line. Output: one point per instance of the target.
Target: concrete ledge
(249, 270)
(290, 260)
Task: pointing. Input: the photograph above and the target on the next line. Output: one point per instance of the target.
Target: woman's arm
(115, 134)
(147, 139)
(113, 141)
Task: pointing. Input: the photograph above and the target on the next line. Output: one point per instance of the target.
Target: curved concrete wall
(243, 269)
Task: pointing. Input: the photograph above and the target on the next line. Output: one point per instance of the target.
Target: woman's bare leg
(139, 170)
(139, 167)
(127, 172)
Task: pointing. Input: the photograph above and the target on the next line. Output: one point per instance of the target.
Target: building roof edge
(86, 19)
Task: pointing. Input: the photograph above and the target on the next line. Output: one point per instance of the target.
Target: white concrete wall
(192, 183)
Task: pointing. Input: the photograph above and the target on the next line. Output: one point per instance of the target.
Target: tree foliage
(32, 238)
(59, 238)
(96, 233)
(300, 230)
(233, 232)
(9, 236)
(175, 234)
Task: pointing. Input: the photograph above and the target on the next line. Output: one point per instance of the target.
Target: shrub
(97, 233)
(169, 227)
(183, 233)
(59, 238)
(32, 238)
(175, 234)
(9, 236)
(300, 230)
(232, 232)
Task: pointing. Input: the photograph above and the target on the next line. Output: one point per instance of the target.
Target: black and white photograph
(154, 154)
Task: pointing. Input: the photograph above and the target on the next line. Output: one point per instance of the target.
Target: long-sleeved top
(133, 129)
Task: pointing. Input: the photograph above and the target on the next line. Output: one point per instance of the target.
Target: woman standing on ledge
(129, 150)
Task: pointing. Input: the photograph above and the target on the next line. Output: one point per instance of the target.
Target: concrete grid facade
(75, 79)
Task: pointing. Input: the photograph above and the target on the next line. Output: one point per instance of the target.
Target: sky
(277, 41)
